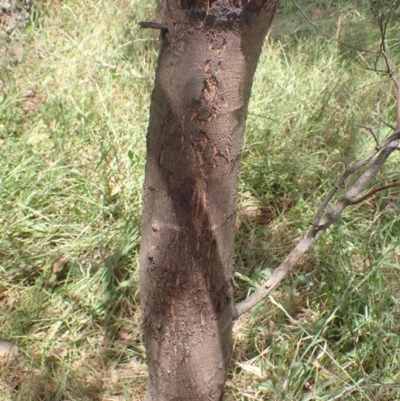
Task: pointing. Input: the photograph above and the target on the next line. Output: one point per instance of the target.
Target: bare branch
(383, 50)
(278, 275)
(153, 25)
(381, 153)
(380, 117)
(370, 129)
(330, 36)
(395, 136)
(356, 188)
(323, 223)
(373, 192)
(398, 106)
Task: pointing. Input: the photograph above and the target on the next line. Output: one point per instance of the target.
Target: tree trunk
(203, 82)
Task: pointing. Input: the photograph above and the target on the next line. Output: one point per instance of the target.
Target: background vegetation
(75, 85)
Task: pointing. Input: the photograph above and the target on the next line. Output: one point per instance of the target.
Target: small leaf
(59, 265)
(41, 227)
(266, 385)
(115, 189)
(303, 280)
(8, 351)
(60, 352)
(12, 300)
(319, 324)
(107, 296)
(128, 283)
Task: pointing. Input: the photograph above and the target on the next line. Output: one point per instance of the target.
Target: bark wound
(199, 206)
(195, 136)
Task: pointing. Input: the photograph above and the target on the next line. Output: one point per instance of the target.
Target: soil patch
(14, 18)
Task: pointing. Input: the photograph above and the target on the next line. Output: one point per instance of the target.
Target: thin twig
(330, 36)
(153, 25)
(383, 28)
(373, 192)
(335, 211)
(380, 117)
(398, 106)
(352, 169)
(371, 130)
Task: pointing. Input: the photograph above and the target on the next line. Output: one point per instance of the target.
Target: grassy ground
(75, 87)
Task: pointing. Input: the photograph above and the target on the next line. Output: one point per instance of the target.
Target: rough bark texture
(195, 136)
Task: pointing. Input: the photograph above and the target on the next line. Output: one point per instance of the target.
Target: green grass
(75, 89)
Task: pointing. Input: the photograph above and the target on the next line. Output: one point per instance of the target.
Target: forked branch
(324, 219)
(374, 191)
(323, 222)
